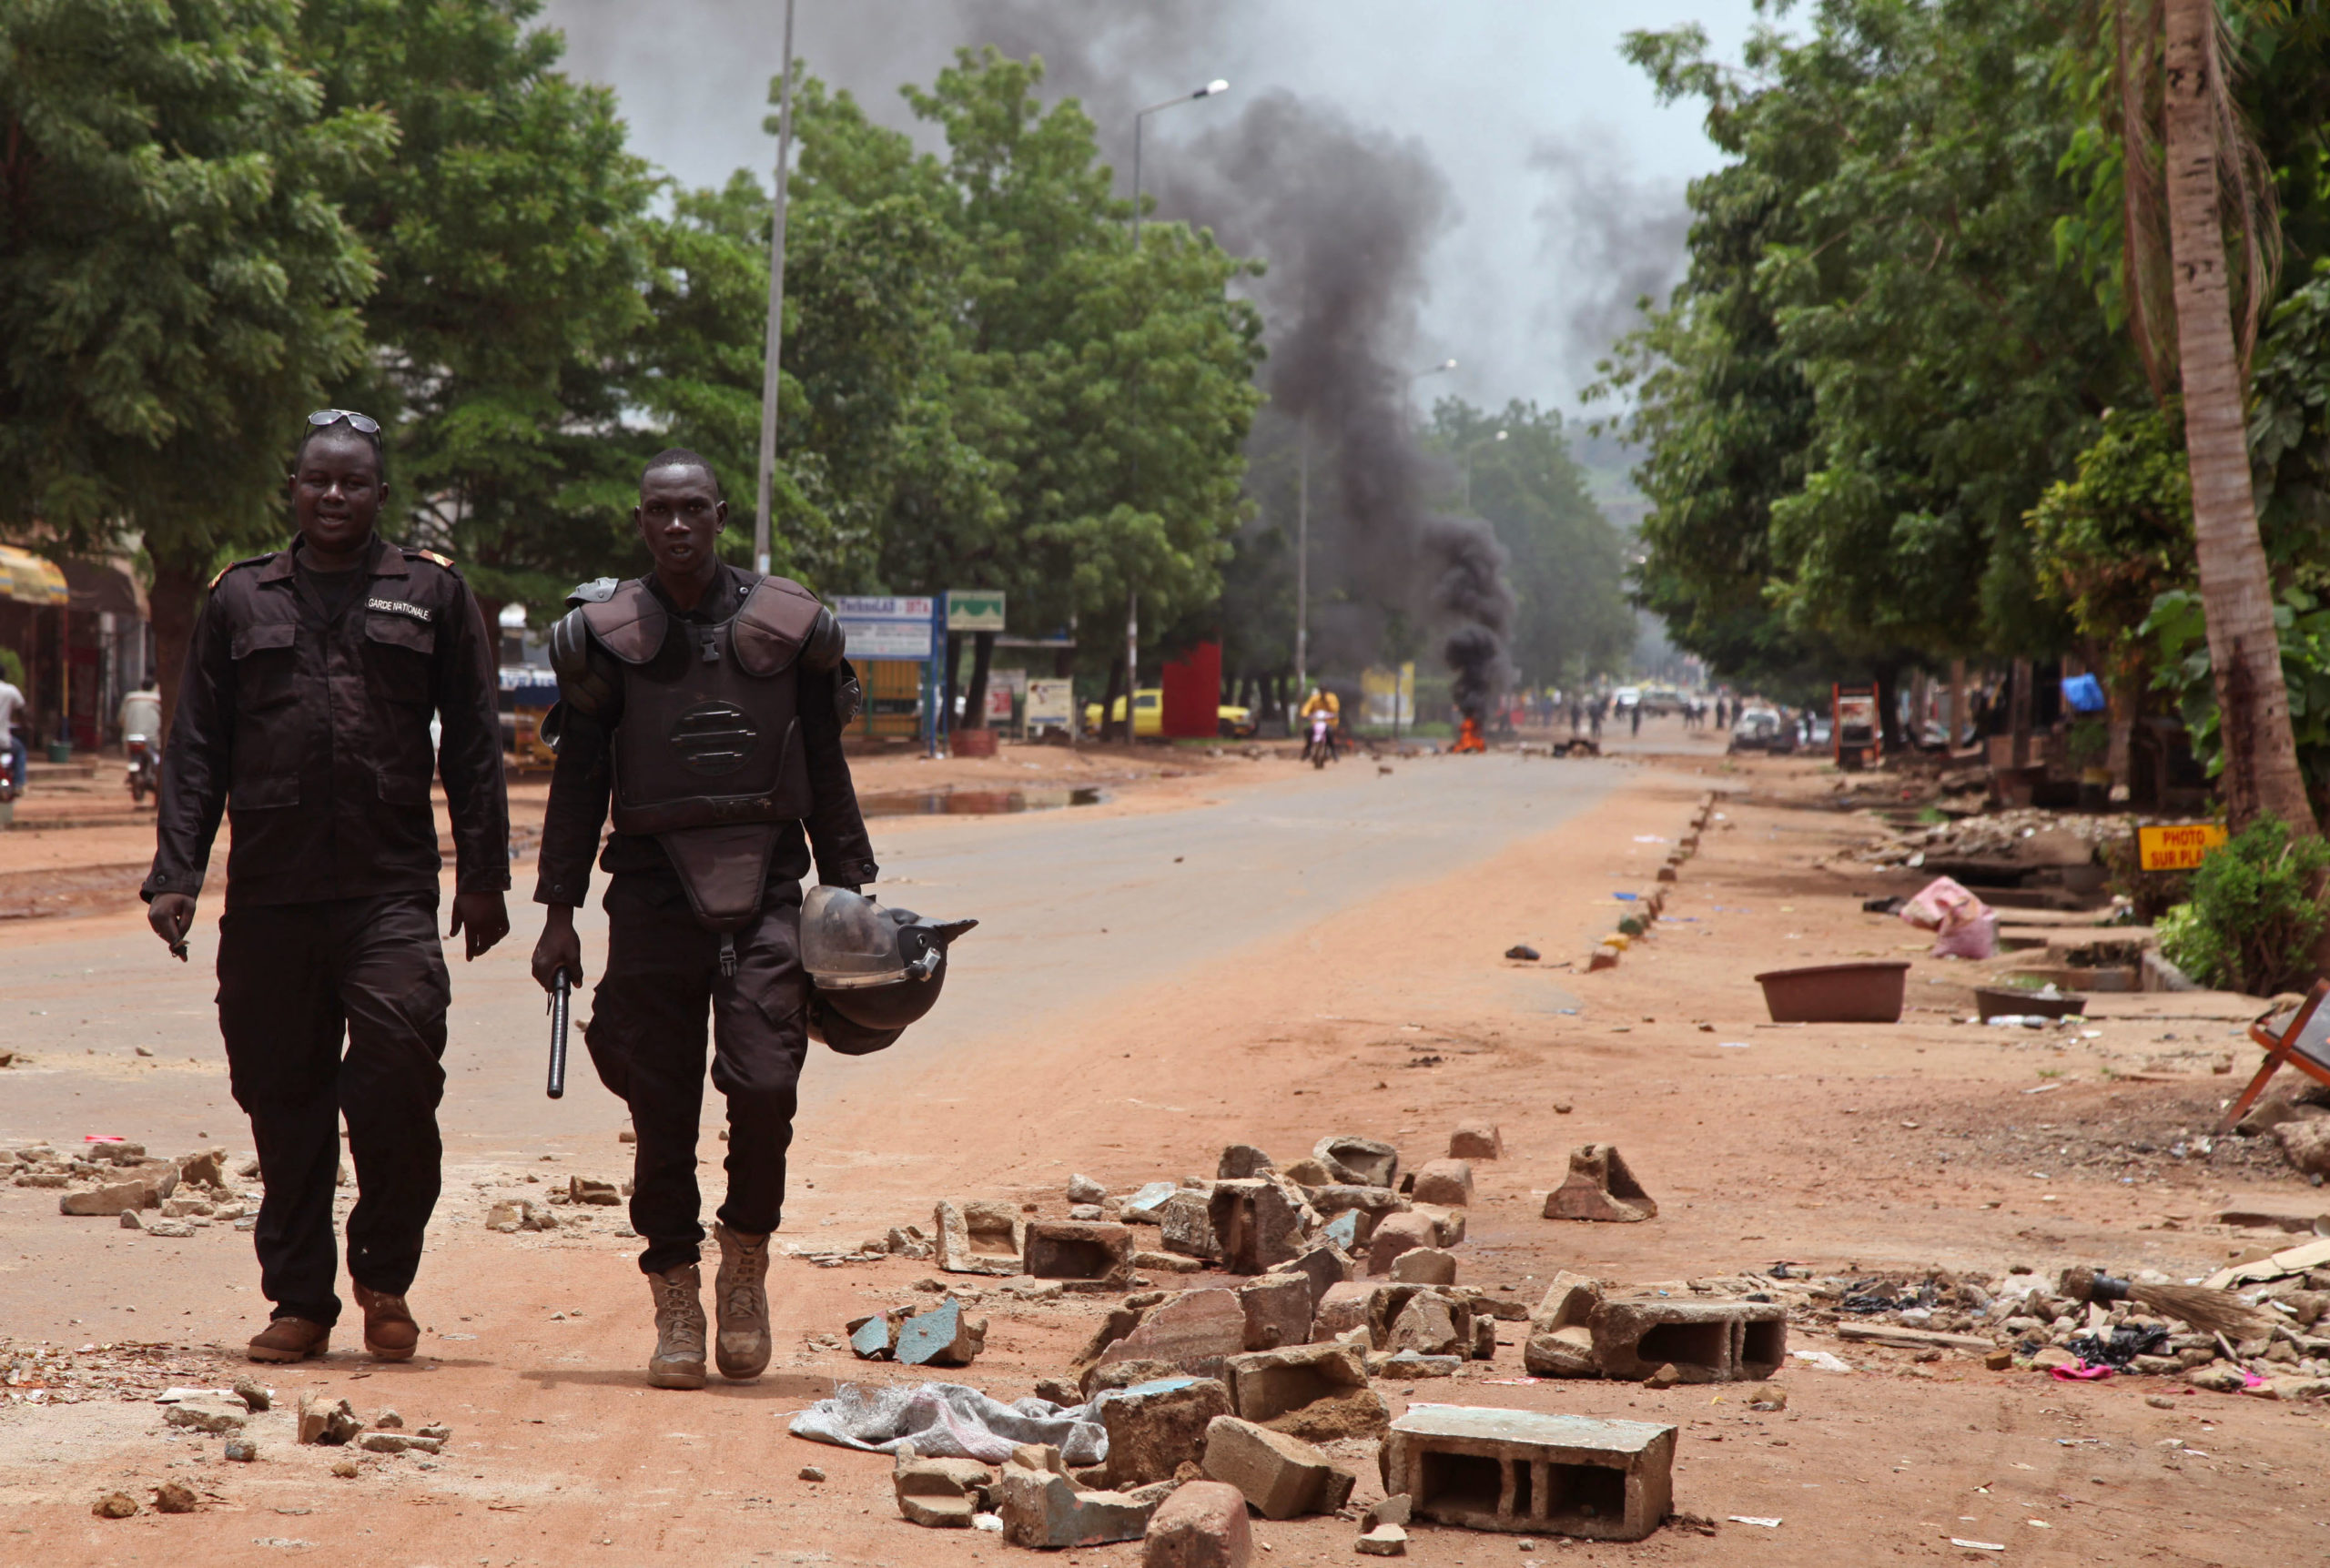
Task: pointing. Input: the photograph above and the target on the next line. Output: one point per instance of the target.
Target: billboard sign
(886, 626)
(974, 610)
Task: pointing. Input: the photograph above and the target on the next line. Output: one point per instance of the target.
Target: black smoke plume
(1469, 593)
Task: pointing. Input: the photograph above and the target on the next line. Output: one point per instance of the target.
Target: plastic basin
(1865, 993)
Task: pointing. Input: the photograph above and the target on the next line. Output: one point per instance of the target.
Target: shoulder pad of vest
(429, 555)
(777, 619)
(598, 591)
(629, 622)
(246, 561)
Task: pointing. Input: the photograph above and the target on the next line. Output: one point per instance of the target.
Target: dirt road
(1323, 956)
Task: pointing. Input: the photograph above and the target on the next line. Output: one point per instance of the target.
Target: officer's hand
(559, 948)
(483, 915)
(171, 915)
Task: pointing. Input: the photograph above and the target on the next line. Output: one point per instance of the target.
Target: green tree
(511, 237)
(1568, 563)
(176, 286)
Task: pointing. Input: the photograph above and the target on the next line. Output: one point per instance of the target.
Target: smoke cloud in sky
(1617, 237)
(1479, 85)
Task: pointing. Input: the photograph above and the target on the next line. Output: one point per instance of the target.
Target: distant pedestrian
(1634, 718)
(12, 713)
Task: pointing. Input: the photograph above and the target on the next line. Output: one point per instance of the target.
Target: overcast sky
(1567, 174)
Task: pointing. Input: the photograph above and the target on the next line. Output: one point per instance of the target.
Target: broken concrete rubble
(1088, 1252)
(978, 1237)
(1280, 1476)
(1185, 1223)
(1522, 1472)
(1319, 1392)
(1359, 1161)
(330, 1424)
(941, 1493)
(1202, 1525)
(1254, 1224)
(1240, 1161)
(1193, 1333)
(207, 1415)
(940, 1337)
(1424, 1266)
(1398, 1233)
(1447, 1182)
(1599, 1186)
(1041, 1507)
(1277, 1311)
(1155, 1428)
(1476, 1140)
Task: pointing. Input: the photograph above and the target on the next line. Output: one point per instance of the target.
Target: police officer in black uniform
(305, 710)
(705, 704)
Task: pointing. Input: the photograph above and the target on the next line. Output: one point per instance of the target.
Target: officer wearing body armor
(704, 705)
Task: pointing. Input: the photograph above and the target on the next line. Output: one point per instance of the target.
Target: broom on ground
(2209, 1311)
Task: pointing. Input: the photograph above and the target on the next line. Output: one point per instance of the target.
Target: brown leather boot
(290, 1339)
(390, 1332)
(678, 1361)
(740, 1297)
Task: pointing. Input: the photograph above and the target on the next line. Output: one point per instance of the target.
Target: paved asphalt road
(1072, 909)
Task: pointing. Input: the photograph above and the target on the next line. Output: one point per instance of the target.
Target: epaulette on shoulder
(431, 556)
(246, 561)
(598, 591)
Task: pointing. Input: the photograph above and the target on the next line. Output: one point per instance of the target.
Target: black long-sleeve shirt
(310, 723)
(583, 783)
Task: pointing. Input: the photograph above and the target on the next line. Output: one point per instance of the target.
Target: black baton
(558, 991)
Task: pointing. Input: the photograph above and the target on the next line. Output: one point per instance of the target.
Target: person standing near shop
(311, 682)
(11, 745)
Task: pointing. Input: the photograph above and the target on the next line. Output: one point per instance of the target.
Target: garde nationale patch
(399, 607)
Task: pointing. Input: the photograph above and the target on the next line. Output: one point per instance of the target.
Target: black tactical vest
(712, 739)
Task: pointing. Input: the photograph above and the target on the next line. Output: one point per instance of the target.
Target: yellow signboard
(2178, 847)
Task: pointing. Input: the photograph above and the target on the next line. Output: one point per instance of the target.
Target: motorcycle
(142, 779)
(1320, 749)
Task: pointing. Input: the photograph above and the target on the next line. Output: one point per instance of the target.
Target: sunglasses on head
(362, 424)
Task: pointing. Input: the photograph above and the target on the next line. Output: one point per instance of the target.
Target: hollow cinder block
(1705, 1342)
(1081, 1251)
(1522, 1472)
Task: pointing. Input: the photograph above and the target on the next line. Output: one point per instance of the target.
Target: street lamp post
(766, 496)
(1408, 384)
(1132, 589)
(1469, 453)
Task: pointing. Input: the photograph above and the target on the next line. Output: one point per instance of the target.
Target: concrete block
(1410, 1365)
(1666, 871)
(1382, 1541)
(941, 1493)
(1366, 1205)
(1318, 1392)
(1254, 1225)
(399, 1443)
(1087, 1251)
(330, 1424)
(1082, 1188)
(1193, 1332)
(1307, 1172)
(207, 1415)
(1359, 1161)
(1202, 1525)
(1042, 1509)
(1424, 1266)
(1525, 1473)
(1344, 1229)
(1241, 1160)
(1321, 1266)
(1280, 1476)
(112, 1198)
(1155, 1428)
(1277, 1311)
(979, 1236)
(1427, 1325)
(876, 1338)
(1168, 1264)
(1705, 1342)
(941, 1337)
(1447, 1222)
(1343, 1307)
(1599, 1186)
(1185, 1223)
(1144, 1206)
(206, 1168)
(1569, 1298)
(1398, 1233)
(1567, 1352)
(1476, 1140)
(1448, 1182)
(1603, 956)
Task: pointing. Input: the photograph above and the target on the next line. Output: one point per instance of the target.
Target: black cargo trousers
(646, 1037)
(292, 978)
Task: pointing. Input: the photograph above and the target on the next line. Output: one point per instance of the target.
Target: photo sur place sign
(2177, 847)
(886, 626)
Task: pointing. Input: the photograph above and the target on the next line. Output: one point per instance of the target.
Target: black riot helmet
(872, 970)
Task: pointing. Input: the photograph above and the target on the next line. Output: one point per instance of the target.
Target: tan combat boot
(740, 1297)
(390, 1332)
(290, 1339)
(678, 1361)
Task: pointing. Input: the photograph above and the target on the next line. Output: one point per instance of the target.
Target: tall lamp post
(1469, 453)
(1408, 387)
(1133, 589)
(776, 343)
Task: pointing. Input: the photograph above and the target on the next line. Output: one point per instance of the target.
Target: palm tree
(2204, 144)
